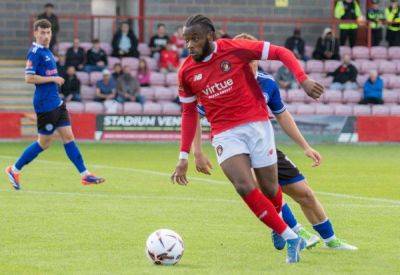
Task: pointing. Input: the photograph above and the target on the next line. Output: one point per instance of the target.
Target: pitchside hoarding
(167, 128)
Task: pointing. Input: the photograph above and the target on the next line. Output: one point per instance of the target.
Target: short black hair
(160, 25)
(95, 41)
(199, 19)
(49, 5)
(41, 23)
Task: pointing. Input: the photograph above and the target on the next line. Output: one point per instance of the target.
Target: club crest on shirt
(225, 66)
(49, 127)
(219, 150)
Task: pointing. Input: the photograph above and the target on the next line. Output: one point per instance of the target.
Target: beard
(206, 51)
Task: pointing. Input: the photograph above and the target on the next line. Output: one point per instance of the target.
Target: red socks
(277, 200)
(265, 210)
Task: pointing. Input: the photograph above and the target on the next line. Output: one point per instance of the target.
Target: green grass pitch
(54, 225)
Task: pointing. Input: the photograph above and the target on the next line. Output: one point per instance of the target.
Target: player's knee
(269, 189)
(68, 138)
(243, 187)
(308, 198)
(44, 144)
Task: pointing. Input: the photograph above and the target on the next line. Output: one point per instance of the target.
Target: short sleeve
(273, 97)
(32, 63)
(185, 94)
(252, 50)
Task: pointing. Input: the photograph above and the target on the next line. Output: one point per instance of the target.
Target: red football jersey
(225, 84)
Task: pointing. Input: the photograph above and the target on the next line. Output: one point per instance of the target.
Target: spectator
(55, 27)
(348, 10)
(105, 88)
(143, 74)
(179, 42)
(373, 88)
(76, 56)
(125, 42)
(61, 65)
(96, 59)
(296, 44)
(393, 23)
(158, 41)
(376, 16)
(117, 71)
(285, 79)
(327, 47)
(169, 60)
(128, 88)
(71, 89)
(344, 77)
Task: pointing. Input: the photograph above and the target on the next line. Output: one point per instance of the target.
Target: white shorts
(255, 139)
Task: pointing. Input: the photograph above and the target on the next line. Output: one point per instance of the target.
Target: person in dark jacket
(55, 27)
(327, 47)
(344, 77)
(158, 41)
(61, 66)
(71, 89)
(125, 42)
(96, 58)
(76, 56)
(296, 44)
(373, 88)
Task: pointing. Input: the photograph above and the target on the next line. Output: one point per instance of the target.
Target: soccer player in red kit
(217, 75)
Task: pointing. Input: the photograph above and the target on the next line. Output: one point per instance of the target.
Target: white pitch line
(163, 174)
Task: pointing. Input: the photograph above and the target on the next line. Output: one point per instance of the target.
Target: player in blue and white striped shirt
(290, 179)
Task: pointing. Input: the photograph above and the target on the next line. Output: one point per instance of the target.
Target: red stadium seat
(379, 52)
(344, 50)
(296, 95)
(264, 65)
(131, 62)
(368, 66)
(174, 91)
(361, 78)
(292, 108)
(361, 110)
(171, 108)
(106, 47)
(112, 61)
(386, 79)
(172, 79)
(331, 65)
(83, 77)
(132, 108)
(87, 92)
(147, 92)
(75, 107)
(157, 79)
(394, 53)
(394, 82)
(306, 109)
(395, 110)
(151, 108)
(94, 77)
(390, 96)
(343, 110)
(309, 50)
(351, 96)
(283, 94)
(151, 63)
(94, 107)
(63, 47)
(274, 66)
(387, 67)
(332, 96)
(380, 110)
(315, 66)
(86, 45)
(144, 49)
(112, 107)
(360, 52)
(321, 109)
(163, 94)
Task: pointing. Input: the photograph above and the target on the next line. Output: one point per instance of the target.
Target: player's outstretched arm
(312, 88)
(37, 79)
(203, 164)
(289, 126)
(188, 131)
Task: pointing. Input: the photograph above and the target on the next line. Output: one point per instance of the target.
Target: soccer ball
(164, 247)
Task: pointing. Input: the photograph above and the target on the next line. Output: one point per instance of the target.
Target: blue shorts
(288, 173)
(48, 122)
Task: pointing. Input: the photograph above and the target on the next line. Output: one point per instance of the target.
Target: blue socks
(30, 153)
(75, 156)
(325, 230)
(288, 216)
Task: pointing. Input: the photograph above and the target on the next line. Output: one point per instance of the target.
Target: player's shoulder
(264, 78)
(35, 50)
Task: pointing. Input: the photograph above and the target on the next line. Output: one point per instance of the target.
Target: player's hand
(203, 164)
(314, 155)
(179, 176)
(312, 88)
(58, 80)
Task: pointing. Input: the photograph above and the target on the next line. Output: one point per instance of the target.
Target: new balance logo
(263, 214)
(47, 58)
(198, 77)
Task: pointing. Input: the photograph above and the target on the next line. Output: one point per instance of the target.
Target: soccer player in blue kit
(52, 114)
(292, 182)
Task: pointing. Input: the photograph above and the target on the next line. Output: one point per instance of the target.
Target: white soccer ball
(164, 247)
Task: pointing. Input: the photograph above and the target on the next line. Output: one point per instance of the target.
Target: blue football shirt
(40, 61)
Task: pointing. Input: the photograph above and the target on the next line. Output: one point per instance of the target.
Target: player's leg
(45, 126)
(75, 156)
(315, 213)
